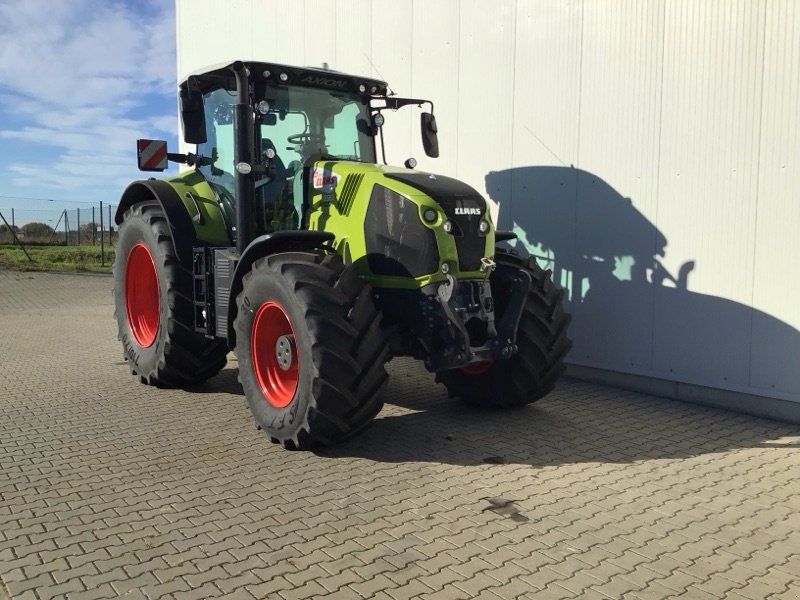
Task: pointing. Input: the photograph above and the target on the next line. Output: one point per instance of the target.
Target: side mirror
(193, 117)
(151, 155)
(430, 142)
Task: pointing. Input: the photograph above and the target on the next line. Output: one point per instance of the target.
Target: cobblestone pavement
(111, 488)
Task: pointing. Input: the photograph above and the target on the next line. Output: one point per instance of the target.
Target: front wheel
(541, 338)
(310, 349)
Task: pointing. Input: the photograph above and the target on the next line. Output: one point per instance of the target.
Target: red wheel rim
(477, 368)
(142, 295)
(274, 352)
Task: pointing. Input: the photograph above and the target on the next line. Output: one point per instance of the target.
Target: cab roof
(264, 73)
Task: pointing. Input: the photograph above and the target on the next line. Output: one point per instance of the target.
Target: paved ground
(109, 488)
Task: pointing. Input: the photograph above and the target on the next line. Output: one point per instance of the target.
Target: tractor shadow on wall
(630, 314)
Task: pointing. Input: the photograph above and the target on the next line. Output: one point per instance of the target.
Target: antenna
(391, 91)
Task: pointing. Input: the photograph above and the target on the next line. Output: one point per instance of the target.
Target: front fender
(271, 243)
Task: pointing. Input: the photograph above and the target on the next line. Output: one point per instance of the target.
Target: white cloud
(75, 74)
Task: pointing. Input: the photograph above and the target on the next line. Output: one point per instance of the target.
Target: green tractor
(289, 244)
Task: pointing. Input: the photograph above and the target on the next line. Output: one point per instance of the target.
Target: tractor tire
(153, 305)
(310, 348)
(531, 373)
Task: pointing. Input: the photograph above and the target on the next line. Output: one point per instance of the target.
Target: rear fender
(271, 243)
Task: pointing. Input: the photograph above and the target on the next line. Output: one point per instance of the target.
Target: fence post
(94, 229)
(66, 228)
(16, 239)
(55, 229)
(110, 228)
(102, 245)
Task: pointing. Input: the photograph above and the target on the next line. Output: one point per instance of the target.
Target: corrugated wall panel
(646, 151)
(436, 50)
(485, 127)
(319, 23)
(707, 189)
(776, 291)
(203, 25)
(353, 36)
(537, 193)
(392, 60)
(285, 44)
(617, 185)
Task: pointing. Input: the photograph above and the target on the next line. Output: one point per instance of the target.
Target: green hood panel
(339, 201)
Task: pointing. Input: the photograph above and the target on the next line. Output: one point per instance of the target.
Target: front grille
(397, 241)
(470, 242)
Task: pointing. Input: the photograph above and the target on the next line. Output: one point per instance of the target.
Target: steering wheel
(306, 138)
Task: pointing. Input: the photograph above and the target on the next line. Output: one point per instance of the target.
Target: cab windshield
(298, 125)
(303, 122)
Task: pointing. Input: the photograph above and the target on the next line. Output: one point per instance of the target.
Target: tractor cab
(292, 125)
(290, 118)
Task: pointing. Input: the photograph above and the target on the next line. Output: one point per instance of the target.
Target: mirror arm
(395, 103)
(180, 158)
(190, 159)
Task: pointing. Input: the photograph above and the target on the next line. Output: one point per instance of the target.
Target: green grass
(56, 258)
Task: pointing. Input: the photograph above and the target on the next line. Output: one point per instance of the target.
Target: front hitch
(501, 343)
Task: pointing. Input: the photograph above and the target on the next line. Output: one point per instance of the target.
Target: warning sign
(152, 155)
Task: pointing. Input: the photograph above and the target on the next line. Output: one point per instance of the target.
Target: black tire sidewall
(287, 421)
(499, 386)
(135, 229)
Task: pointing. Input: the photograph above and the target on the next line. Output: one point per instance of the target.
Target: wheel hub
(283, 351)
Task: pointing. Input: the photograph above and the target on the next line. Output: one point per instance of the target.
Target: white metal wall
(647, 149)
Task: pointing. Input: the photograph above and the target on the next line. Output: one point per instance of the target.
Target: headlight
(429, 215)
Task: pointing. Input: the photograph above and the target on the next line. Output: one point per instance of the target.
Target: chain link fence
(78, 226)
(86, 226)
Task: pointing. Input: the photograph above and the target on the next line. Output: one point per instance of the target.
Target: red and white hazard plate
(151, 154)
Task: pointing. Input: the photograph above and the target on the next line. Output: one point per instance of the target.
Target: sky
(80, 82)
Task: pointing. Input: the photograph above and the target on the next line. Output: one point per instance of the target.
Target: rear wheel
(310, 349)
(541, 337)
(153, 305)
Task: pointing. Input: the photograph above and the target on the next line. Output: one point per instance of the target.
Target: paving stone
(114, 488)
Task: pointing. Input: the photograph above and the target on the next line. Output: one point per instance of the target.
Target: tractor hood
(456, 198)
(464, 207)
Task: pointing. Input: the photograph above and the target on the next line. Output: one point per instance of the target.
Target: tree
(89, 229)
(5, 233)
(41, 231)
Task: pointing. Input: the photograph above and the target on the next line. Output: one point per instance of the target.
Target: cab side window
(218, 108)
